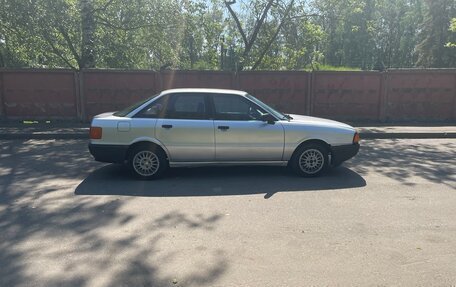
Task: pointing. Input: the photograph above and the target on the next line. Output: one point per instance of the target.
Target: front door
(240, 134)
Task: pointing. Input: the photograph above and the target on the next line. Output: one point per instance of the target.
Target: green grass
(334, 68)
(27, 122)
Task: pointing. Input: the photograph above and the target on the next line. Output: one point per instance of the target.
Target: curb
(441, 135)
(84, 136)
(45, 136)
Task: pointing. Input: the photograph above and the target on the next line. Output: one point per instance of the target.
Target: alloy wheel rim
(146, 163)
(311, 161)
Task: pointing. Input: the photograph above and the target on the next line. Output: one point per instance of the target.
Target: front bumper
(108, 153)
(342, 153)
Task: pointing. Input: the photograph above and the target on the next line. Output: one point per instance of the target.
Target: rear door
(186, 129)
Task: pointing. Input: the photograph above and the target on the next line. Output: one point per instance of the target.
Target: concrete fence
(392, 96)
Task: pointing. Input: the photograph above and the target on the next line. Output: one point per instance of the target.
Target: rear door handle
(223, 128)
(167, 126)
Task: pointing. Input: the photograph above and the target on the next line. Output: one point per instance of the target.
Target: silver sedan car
(188, 127)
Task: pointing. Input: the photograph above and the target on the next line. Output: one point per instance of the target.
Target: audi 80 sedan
(188, 127)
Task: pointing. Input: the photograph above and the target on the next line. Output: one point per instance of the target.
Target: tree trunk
(88, 34)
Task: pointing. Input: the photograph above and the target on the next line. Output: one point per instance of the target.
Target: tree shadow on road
(214, 181)
(409, 162)
(49, 237)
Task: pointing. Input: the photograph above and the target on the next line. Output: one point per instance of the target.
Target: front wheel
(310, 160)
(147, 162)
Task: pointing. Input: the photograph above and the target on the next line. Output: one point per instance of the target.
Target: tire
(147, 161)
(310, 160)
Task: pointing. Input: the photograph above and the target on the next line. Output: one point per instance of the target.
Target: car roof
(204, 90)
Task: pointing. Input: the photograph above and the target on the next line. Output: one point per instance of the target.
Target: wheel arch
(147, 141)
(321, 142)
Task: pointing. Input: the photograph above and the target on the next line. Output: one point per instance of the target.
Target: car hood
(319, 121)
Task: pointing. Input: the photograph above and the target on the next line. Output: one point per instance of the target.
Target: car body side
(121, 133)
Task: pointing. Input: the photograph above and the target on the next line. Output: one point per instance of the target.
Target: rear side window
(133, 107)
(154, 110)
(187, 106)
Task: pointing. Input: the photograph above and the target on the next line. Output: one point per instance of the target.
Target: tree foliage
(453, 30)
(227, 34)
(435, 30)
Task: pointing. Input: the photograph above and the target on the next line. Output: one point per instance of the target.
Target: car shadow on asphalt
(214, 181)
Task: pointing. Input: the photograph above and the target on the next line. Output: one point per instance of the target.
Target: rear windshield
(133, 107)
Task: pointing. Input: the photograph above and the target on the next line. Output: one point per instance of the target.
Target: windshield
(133, 107)
(270, 110)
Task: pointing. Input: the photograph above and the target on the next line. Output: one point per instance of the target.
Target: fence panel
(424, 95)
(196, 79)
(39, 94)
(106, 90)
(413, 95)
(286, 91)
(346, 95)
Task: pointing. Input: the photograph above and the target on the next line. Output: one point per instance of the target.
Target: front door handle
(223, 128)
(167, 126)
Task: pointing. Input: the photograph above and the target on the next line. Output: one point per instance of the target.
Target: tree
(396, 32)
(47, 33)
(87, 59)
(202, 30)
(229, 34)
(250, 35)
(452, 29)
(431, 49)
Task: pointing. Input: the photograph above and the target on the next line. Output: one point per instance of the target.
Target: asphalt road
(387, 217)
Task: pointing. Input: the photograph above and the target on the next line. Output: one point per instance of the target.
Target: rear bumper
(342, 153)
(108, 153)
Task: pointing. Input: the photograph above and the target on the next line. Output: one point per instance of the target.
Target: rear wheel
(147, 162)
(310, 160)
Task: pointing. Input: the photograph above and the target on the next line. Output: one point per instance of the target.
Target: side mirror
(268, 118)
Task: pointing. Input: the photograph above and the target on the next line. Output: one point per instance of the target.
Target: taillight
(356, 138)
(95, 133)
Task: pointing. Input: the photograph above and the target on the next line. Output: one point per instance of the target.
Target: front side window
(236, 108)
(187, 106)
(267, 108)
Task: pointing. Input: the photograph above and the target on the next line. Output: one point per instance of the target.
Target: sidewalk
(60, 130)
(14, 131)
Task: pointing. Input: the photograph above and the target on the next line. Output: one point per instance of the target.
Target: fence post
(77, 95)
(235, 80)
(383, 100)
(308, 109)
(454, 99)
(2, 98)
(82, 96)
(158, 81)
(312, 95)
